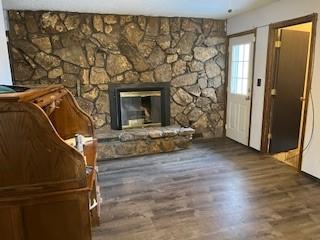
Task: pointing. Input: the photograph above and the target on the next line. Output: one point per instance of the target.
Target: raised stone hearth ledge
(142, 141)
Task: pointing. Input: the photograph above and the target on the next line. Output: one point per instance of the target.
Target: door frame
(254, 32)
(270, 80)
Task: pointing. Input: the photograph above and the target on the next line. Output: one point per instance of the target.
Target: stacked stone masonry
(86, 52)
(143, 141)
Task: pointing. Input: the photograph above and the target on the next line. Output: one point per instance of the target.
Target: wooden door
(290, 75)
(241, 52)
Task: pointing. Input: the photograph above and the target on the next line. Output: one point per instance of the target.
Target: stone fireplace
(140, 122)
(139, 105)
(89, 52)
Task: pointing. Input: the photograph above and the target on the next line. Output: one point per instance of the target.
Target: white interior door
(241, 52)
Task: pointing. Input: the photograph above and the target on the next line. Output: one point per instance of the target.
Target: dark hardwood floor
(216, 190)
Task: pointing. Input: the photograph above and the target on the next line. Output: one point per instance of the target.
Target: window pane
(239, 86)
(240, 69)
(235, 53)
(241, 52)
(245, 70)
(234, 77)
(234, 73)
(247, 52)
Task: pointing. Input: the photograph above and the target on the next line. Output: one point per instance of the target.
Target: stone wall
(85, 52)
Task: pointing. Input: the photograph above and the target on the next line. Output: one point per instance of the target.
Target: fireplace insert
(139, 105)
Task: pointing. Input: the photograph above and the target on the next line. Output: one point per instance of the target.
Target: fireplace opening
(139, 105)
(140, 109)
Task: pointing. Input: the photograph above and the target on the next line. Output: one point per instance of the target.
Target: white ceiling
(217, 9)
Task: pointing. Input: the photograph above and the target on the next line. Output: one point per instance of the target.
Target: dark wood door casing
(313, 18)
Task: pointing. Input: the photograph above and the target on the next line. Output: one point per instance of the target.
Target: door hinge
(277, 44)
(226, 126)
(269, 136)
(254, 39)
(273, 92)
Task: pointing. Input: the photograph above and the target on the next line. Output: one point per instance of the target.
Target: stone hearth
(142, 141)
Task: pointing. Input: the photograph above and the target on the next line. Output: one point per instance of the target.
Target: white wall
(258, 91)
(5, 73)
(279, 11)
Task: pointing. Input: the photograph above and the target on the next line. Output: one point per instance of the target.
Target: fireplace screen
(140, 108)
(139, 105)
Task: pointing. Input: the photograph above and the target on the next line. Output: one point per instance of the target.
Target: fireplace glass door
(140, 109)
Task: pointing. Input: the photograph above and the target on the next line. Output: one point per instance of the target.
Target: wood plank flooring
(216, 190)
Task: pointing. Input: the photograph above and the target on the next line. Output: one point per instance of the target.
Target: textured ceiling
(184, 8)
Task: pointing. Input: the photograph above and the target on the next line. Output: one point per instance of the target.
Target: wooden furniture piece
(46, 185)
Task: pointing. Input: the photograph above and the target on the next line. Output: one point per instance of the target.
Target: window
(240, 69)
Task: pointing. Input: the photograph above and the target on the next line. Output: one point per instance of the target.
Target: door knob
(247, 98)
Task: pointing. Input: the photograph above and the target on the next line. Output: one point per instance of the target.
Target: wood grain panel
(40, 226)
(44, 191)
(69, 119)
(11, 226)
(214, 190)
(26, 136)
